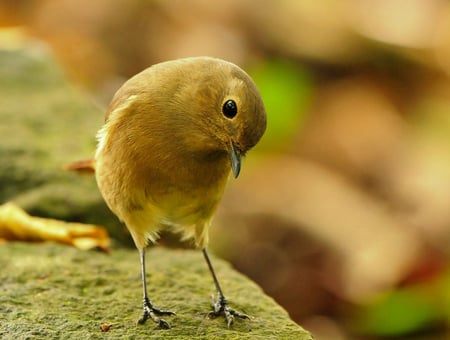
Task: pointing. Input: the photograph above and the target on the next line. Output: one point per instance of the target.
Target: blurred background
(342, 212)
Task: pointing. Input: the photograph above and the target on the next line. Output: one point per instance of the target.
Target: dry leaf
(17, 225)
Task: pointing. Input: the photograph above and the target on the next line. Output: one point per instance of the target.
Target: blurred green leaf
(401, 312)
(286, 90)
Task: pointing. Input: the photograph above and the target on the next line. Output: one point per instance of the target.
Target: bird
(173, 136)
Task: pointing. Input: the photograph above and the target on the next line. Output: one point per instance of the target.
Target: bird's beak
(235, 158)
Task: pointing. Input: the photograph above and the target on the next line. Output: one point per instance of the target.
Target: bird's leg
(149, 310)
(219, 304)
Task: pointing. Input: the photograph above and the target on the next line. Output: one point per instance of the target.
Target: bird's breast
(189, 193)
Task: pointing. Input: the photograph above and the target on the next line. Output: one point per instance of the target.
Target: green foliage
(286, 90)
(401, 312)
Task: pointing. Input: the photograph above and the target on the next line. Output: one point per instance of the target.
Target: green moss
(54, 291)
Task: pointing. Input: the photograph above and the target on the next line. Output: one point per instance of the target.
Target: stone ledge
(53, 291)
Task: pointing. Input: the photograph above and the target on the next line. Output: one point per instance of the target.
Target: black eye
(229, 108)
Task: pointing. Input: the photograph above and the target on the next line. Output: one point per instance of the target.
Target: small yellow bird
(173, 133)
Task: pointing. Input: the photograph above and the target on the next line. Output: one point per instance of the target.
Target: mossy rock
(52, 291)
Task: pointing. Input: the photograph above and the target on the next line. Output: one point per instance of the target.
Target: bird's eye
(229, 108)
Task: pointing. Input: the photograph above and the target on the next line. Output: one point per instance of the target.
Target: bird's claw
(153, 313)
(220, 307)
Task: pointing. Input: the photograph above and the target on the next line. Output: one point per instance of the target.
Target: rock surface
(51, 291)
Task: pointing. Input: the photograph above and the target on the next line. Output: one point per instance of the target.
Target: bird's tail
(86, 166)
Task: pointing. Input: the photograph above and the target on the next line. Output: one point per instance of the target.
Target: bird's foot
(220, 307)
(153, 313)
